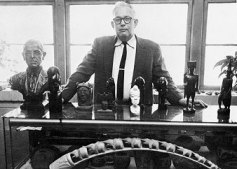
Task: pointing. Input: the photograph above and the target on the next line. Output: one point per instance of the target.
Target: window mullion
(59, 38)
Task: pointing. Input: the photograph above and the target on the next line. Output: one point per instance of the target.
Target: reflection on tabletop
(122, 112)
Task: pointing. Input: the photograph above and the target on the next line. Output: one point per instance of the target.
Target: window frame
(203, 42)
(195, 36)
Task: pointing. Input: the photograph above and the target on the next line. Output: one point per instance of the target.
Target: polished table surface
(151, 116)
(94, 123)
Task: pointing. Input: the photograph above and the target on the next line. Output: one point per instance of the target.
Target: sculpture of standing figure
(226, 88)
(140, 83)
(161, 87)
(110, 89)
(190, 86)
(54, 84)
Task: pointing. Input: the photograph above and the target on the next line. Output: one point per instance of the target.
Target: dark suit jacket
(149, 64)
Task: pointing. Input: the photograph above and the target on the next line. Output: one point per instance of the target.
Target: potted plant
(229, 68)
(229, 62)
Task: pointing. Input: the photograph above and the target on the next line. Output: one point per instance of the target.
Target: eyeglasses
(34, 52)
(126, 20)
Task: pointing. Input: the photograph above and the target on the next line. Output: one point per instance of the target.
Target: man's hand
(197, 103)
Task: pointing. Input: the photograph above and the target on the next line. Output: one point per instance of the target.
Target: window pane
(164, 23)
(222, 23)
(174, 62)
(77, 55)
(86, 25)
(19, 24)
(221, 29)
(213, 55)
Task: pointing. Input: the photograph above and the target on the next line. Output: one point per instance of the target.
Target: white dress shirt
(129, 64)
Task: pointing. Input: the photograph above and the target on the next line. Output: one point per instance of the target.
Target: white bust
(134, 95)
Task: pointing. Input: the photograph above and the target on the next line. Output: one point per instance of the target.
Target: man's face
(124, 23)
(33, 55)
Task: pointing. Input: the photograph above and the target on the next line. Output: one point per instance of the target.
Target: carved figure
(104, 100)
(190, 85)
(84, 94)
(110, 87)
(54, 84)
(226, 88)
(135, 100)
(161, 87)
(140, 83)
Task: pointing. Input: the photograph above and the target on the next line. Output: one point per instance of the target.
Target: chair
(110, 146)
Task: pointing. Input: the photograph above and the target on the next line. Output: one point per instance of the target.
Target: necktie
(121, 73)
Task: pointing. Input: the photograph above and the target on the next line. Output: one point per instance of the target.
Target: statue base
(32, 106)
(162, 107)
(223, 111)
(106, 114)
(223, 115)
(84, 107)
(188, 110)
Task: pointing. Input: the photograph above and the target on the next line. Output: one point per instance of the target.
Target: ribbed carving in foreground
(77, 156)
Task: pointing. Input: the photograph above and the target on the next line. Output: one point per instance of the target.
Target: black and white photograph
(126, 84)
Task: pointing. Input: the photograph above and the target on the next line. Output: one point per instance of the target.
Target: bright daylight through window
(19, 24)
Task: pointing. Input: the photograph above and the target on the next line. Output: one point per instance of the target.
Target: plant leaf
(228, 57)
(223, 72)
(224, 65)
(220, 62)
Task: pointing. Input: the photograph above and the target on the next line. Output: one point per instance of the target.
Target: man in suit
(143, 58)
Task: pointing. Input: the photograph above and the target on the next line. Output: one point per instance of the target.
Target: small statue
(84, 94)
(134, 95)
(55, 95)
(110, 86)
(161, 87)
(105, 111)
(225, 93)
(110, 91)
(140, 83)
(190, 86)
(104, 100)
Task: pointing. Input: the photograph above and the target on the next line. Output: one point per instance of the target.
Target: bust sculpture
(135, 100)
(31, 83)
(84, 94)
(190, 86)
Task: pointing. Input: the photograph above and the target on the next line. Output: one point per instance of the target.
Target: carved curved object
(77, 156)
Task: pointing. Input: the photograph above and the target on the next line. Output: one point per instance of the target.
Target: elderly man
(31, 82)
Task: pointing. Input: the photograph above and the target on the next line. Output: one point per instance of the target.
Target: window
(221, 38)
(20, 23)
(85, 26)
(169, 29)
